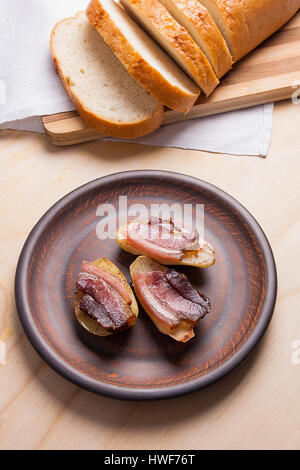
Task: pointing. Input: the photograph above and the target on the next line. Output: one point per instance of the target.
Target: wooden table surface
(256, 407)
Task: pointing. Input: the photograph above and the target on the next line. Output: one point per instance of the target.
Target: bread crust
(179, 39)
(130, 130)
(196, 14)
(249, 22)
(171, 96)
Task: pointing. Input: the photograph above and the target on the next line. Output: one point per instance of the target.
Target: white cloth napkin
(29, 87)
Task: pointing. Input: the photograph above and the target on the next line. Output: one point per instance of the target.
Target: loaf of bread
(141, 56)
(119, 78)
(196, 19)
(175, 40)
(246, 23)
(106, 96)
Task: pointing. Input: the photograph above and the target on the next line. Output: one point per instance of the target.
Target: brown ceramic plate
(142, 363)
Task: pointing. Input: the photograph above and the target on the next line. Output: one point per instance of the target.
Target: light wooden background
(257, 406)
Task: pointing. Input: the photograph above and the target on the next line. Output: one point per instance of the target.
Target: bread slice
(198, 22)
(175, 39)
(245, 24)
(106, 96)
(201, 258)
(142, 57)
(89, 323)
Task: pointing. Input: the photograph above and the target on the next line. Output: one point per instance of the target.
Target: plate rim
(132, 393)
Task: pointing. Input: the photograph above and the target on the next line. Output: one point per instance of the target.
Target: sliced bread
(245, 24)
(175, 39)
(106, 96)
(142, 57)
(198, 22)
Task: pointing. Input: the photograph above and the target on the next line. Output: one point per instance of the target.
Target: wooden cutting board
(270, 73)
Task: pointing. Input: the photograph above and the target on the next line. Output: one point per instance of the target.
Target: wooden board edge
(85, 134)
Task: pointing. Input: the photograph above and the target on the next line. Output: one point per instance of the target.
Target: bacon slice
(167, 304)
(109, 278)
(172, 237)
(160, 239)
(185, 288)
(159, 311)
(172, 299)
(117, 309)
(96, 311)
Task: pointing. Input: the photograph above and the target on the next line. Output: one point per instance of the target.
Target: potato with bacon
(169, 299)
(104, 301)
